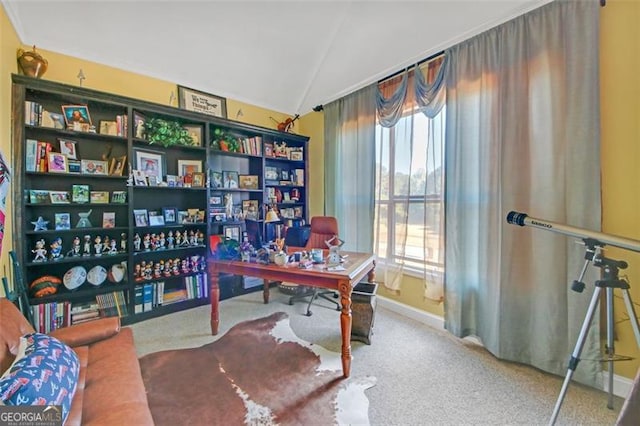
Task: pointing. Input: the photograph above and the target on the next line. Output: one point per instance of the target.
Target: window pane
(381, 234)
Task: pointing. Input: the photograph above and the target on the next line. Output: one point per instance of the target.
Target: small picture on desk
(231, 232)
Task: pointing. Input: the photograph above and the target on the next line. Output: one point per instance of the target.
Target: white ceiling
(287, 56)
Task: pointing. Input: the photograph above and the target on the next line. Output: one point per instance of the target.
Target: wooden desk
(357, 266)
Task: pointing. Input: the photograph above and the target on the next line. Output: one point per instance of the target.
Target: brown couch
(110, 389)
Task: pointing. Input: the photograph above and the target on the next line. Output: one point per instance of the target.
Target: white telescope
(522, 219)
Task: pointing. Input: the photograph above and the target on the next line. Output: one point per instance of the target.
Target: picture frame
(218, 216)
(230, 179)
(152, 163)
(296, 155)
(205, 103)
(156, 218)
(37, 196)
(57, 163)
(94, 167)
(62, 221)
(99, 197)
(138, 125)
(248, 181)
(198, 180)
(271, 173)
(140, 217)
(195, 131)
(68, 148)
(216, 179)
(109, 219)
(59, 197)
(117, 165)
(139, 178)
(232, 232)
(108, 127)
(284, 175)
(76, 114)
(250, 209)
(170, 215)
(119, 197)
(215, 199)
(268, 149)
(79, 193)
(75, 166)
(172, 180)
(189, 167)
(183, 216)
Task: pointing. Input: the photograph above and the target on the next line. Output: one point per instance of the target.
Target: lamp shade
(271, 216)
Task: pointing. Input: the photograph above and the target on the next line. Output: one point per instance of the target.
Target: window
(409, 216)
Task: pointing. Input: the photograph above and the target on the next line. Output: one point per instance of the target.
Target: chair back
(323, 228)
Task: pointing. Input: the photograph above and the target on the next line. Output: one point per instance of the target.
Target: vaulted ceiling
(288, 56)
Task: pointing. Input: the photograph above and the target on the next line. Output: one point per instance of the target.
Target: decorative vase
(32, 63)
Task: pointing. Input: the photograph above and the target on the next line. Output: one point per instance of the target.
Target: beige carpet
(424, 376)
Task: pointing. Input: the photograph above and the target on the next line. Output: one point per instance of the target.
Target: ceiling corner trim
(13, 18)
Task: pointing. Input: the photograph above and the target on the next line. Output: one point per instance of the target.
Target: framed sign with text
(205, 103)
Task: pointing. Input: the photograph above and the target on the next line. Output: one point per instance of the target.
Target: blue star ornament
(40, 224)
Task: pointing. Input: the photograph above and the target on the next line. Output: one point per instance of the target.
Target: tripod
(609, 282)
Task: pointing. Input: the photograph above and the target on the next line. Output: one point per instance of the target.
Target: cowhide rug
(259, 373)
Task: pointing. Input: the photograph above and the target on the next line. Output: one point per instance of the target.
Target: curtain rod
(390, 76)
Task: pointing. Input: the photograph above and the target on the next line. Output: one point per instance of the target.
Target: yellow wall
(620, 120)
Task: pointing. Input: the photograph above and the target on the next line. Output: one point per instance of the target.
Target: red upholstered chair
(323, 228)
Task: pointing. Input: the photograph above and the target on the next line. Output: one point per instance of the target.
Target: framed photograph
(94, 167)
(138, 125)
(229, 179)
(268, 149)
(297, 211)
(205, 103)
(57, 163)
(152, 163)
(296, 155)
(156, 218)
(232, 232)
(152, 180)
(195, 131)
(284, 175)
(59, 197)
(69, 148)
(116, 165)
(63, 221)
(248, 181)
(172, 180)
(216, 179)
(139, 178)
(170, 214)
(76, 114)
(189, 167)
(198, 180)
(183, 216)
(80, 194)
(108, 128)
(119, 197)
(140, 217)
(250, 209)
(271, 173)
(37, 196)
(215, 199)
(109, 219)
(218, 216)
(99, 197)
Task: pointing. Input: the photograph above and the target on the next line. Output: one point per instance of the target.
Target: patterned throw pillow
(47, 374)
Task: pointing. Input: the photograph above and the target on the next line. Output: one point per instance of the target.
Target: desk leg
(265, 291)
(214, 292)
(345, 325)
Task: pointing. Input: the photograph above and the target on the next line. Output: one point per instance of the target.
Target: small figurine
(123, 242)
(192, 238)
(156, 270)
(56, 249)
(98, 245)
(40, 224)
(170, 240)
(113, 247)
(161, 241)
(136, 242)
(137, 273)
(146, 242)
(176, 266)
(168, 267)
(40, 251)
(86, 246)
(75, 247)
(228, 205)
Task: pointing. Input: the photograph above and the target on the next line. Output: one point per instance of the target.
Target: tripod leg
(575, 355)
(633, 318)
(610, 344)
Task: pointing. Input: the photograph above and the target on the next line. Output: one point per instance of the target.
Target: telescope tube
(522, 219)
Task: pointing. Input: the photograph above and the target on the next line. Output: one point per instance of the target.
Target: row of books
(112, 304)
(251, 146)
(37, 155)
(153, 294)
(51, 316)
(36, 115)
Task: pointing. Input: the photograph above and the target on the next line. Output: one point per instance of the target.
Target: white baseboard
(621, 385)
(423, 317)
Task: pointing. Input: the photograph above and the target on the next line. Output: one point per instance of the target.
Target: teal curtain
(523, 134)
(349, 160)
